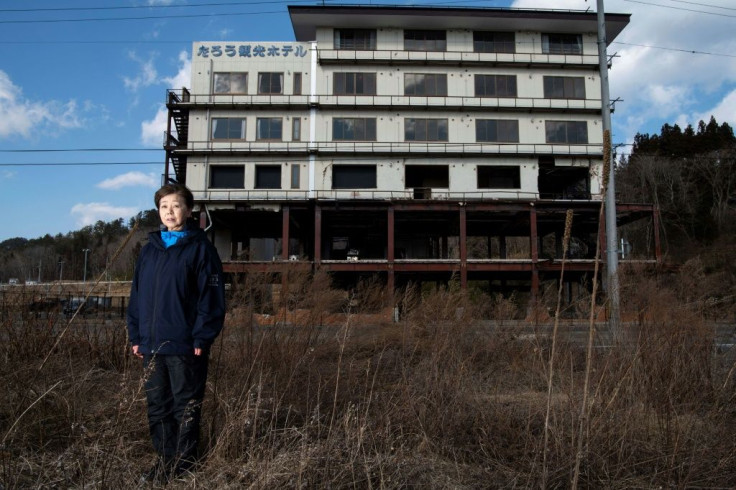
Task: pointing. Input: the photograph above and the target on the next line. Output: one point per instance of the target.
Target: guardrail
(184, 97)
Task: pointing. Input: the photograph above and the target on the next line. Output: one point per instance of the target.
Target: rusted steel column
(463, 249)
(317, 234)
(390, 250)
(533, 243)
(285, 232)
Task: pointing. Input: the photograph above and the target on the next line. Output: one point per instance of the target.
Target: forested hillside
(50, 257)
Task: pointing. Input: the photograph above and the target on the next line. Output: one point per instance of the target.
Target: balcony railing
(458, 57)
(229, 195)
(227, 101)
(375, 147)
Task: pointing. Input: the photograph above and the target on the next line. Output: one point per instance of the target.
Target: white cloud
(724, 111)
(184, 76)
(152, 131)
(91, 213)
(130, 179)
(146, 77)
(666, 67)
(19, 116)
(7, 174)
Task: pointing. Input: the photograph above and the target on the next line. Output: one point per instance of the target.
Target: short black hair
(179, 189)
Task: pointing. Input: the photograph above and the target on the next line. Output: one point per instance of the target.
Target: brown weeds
(313, 388)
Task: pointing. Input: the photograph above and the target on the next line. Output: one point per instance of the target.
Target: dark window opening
(227, 177)
(427, 176)
(353, 176)
(425, 40)
(494, 42)
(499, 177)
(562, 182)
(268, 176)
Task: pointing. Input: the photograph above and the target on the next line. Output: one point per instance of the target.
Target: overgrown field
(450, 396)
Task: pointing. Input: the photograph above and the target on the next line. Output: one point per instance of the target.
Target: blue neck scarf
(171, 237)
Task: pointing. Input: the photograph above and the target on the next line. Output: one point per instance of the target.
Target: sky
(83, 85)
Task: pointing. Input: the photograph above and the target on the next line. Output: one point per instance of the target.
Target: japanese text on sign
(251, 51)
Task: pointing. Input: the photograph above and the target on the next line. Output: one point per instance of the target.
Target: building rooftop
(306, 19)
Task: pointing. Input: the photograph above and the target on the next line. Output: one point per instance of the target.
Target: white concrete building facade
(465, 120)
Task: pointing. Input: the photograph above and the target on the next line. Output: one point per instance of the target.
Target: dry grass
(445, 398)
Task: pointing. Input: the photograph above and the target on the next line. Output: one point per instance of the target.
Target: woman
(177, 308)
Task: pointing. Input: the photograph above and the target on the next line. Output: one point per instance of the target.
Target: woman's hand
(136, 353)
(197, 351)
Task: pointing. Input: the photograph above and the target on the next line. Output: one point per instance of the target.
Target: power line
(679, 8)
(148, 7)
(704, 5)
(75, 164)
(49, 150)
(690, 51)
(147, 17)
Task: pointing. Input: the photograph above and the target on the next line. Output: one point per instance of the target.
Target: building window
(231, 83)
(354, 84)
(562, 44)
(270, 83)
(297, 84)
(227, 177)
(296, 129)
(425, 129)
(495, 85)
(228, 128)
(355, 39)
(295, 177)
(564, 87)
(268, 128)
(499, 177)
(494, 42)
(353, 129)
(497, 130)
(425, 40)
(568, 132)
(425, 84)
(353, 176)
(268, 176)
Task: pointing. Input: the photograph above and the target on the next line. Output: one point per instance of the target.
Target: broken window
(268, 176)
(353, 176)
(499, 177)
(427, 176)
(227, 177)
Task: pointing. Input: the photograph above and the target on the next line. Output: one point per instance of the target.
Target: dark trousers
(175, 386)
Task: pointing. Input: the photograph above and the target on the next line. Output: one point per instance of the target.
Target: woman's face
(173, 211)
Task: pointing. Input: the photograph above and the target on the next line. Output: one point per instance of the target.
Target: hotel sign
(251, 51)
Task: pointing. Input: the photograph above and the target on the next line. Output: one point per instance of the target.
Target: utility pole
(610, 203)
(84, 278)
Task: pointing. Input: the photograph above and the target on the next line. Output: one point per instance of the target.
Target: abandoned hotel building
(413, 144)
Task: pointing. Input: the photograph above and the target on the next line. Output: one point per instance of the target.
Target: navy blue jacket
(177, 299)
